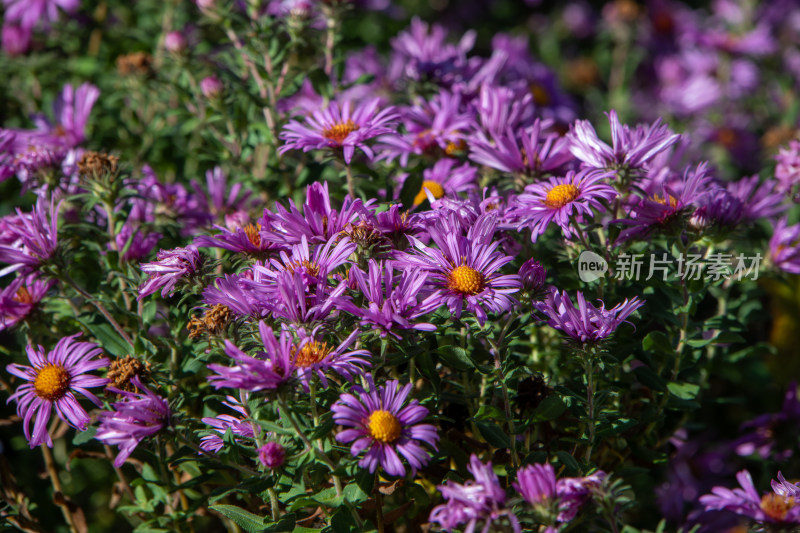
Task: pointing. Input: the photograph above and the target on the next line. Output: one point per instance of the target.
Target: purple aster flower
(383, 425)
(20, 298)
(53, 379)
(436, 128)
(340, 128)
(33, 239)
(586, 324)
(502, 109)
(314, 267)
(246, 238)
(776, 508)
(232, 292)
(239, 427)
(133, 243)
(538, 486)
(313, 356)
(71, 112)
(444, 178)
(219, 200)
(299, 302)
(268, 371)
(473, 502)
(420, 54)
(170, 267)
(390, 305)
(318, 221)
(29, 13)
(787, 170)
(558, 200)
(663, 209)
(784, 247)
(272, 455)
(531, 151)
(772, 435)
(15, 39)
(138, 416)
(464, 271)
(629, 150)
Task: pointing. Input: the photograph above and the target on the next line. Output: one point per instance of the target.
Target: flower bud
(271, 455)
(211, 87)
(16, 39)
(175, 42)
(533, 275)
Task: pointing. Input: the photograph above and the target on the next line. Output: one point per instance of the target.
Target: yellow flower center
(466, 280)
(384, 426)
(339, 132)
(52, 382)
(776, 506)
(23, 296)
(311, 353)
(561, 195)
(436, 189)
(253, 235)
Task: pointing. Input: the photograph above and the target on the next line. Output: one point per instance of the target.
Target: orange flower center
(23, 296)
(311, 353)
(253, 234)
(454, 148)
(384, 426)
(673, 202)
(52, 382)
(466, 280)
(561, 195)
(434, 187)
(309, 266)
(339, 132)
(776, 506)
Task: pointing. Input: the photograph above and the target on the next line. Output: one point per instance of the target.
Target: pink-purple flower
(268, 370)
(341, 128)
(561, 200)
(20, 298)
(464, 271)
(585, 324)
(170, 267)
(137, 416)
(630, 148)
(561, 499)
(32, 238)
(477, 502)
(53, 379)
(778, 508)
(383, 424)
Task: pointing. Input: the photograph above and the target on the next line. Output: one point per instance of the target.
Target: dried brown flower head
(122, 371)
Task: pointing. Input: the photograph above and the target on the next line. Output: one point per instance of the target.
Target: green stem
(66, 277)
(378, 505)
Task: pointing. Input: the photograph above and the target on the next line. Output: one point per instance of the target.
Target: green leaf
(84, 436)
(455, 357)
(110, 339)
(573, 468)
(245, 519)
(656, 341)
(684, 391)
(494, 435)
(286, 523)
(550, 409)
